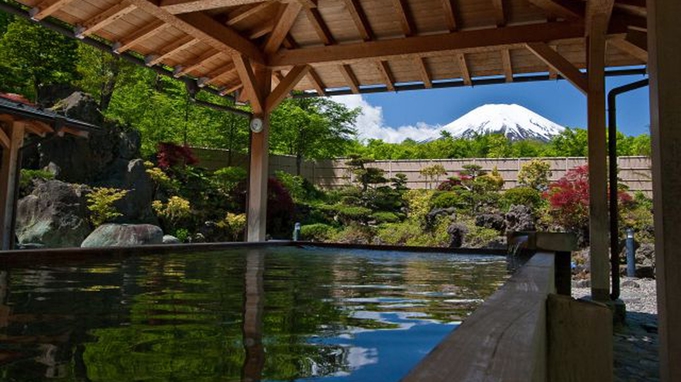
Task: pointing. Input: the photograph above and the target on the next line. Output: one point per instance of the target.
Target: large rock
(520, 218)
(491, 221)
(435, 213)
(457, 233)
(124, 235)
(136, 204)
(55, 215)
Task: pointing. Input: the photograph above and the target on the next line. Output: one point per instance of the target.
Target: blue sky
(386, 115)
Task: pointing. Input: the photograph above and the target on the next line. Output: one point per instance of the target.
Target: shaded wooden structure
(260, 51)
(16, 120)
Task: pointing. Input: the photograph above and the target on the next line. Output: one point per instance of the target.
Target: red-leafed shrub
(172, 155)
(280, 207)
(449, 184)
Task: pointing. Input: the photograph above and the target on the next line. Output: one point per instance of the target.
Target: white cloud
(370, 123)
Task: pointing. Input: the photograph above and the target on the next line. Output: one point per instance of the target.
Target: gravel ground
(635, 342)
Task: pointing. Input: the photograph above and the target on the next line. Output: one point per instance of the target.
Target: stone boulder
(435, 213)
(136, 204)
(645, 261)
(170, 239)
(124, 235)
(491, 221)
(457, 233)
(55, 215)
(520, 218)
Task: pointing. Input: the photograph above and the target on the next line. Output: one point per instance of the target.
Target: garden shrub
(398, 233)
(27, 177)
(535, 174)
(317, 232)
(568, 200)
(171, 155)
(350, 214)
(418, 204)
(234, 226)
(161, 180)
(436, 237)
(355, 234)
(447, 199)
(525, 196)
(385, 217)
(229, 177)
(493, 181)
(174, 210)
(100, 203)
(479, 237)
(451, 184)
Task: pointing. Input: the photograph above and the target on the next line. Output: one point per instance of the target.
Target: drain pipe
(612, 158)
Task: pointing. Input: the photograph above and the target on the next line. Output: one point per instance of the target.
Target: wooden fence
(633, 171)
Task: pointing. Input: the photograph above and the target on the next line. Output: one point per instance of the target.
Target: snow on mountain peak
(514, 121)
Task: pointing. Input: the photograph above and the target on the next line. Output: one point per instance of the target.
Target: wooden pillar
(13, 138)
(598, 179)
(258, 166)
(664, 63)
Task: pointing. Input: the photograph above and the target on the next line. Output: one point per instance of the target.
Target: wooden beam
(635, 44)
(566, 9)
(499, 16)
(421, 68)
(261, 30)
(289, 42)
(104, 19)
(507, 65)
(283, 26)
(196, 62)
(320, 26)
(4, 139)
(47, 8)
(350, 78)
(317, 82)
(231, 89)
(246, 11)
(430, 45)
(463, 68)
(137, 37)
(243, 67)
(450, 12)
(188, 6)
(204, 28)
(172, 49)
(404, 15)
(601, 9)
(8, 169)
(357, 13)
(285, 86)
(217, 74)
(386, 73)
(553, 75)
(551, 58)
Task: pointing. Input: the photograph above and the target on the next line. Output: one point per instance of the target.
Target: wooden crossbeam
(196, 62)
(350, 78)
(289, 42)
(463, 68)
(283, 26)
(553, 75)
(217, 74)
(561, 65)
(566, 9)
(4, 139)
(231, 89)
(205, 28)
(285, 86)
(360, 19)
(387, 74)
(246, 11)
(499, 16)
(423, 70)
(404, 15)
(142, 34)
(506, 64)
(450, 13)
(261, 30)
(251, 86)
(104, 19)
(320, 26)
(317, 82)
(47, 8)
(430, 44)
(188, 6)
(172, 49)
(635, 44)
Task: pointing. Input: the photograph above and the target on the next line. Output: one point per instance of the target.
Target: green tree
(100, 73)
(535, 174)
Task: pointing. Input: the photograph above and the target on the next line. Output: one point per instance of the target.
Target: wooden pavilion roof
(320, 45)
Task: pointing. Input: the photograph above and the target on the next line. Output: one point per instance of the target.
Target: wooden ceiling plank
(206, 29)
(283, 26)
(404, 15)
(561, 65)
(172, 49)
(195, 63)
(565, 9)
(320, 26)
(285, 86)
(499, 16)
(317, 82)
(360, 19)
(217, 75)
(387, 75)
(104, 19)
(450, 13)
(463, 68)
(246, 11)
(148, 31)
(506, 64)
(423, 70)
(430, 44)
(350, 78)
(251, 86)
(47, 8)
(188, 6)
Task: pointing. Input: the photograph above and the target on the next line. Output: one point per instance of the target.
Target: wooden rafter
(450, 13)
(463, 68)
(251, 86)
(147, 32)
(320, 26)
(360, 19)
(499, 16)
(506, 64)
(405, 17)
(317, 82)
(47, 8)
(206, 29)
(566, 9)
(282, 27)
(196, 62)
(350, 77)
(217, 74)
(423, 71)
(634, 44)
(431, 44)
(553, 75)
(387, 75)
(188, 6)
(172, 49)
(285, 86)
(561, 65)
(261, 30)
(104, 19)
(231, 89)
(4, 139)
(289, 42)
(246, 11)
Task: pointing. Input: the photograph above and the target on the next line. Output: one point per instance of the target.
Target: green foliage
(398, 233)
(234, 225)
(227, 178)
(385, 217)
(418, 204)
(101, 73)
(639, 216)
(479, 237)
(492, 181)
(349, 214)
(447, 199)
(535, 174)
(317, 232)
(27, 177)
(101, 204)
(432, 174)
(365, 176)
(354, 233)
(525, 196)
(161, 180)
(182, 234)
(174, 210)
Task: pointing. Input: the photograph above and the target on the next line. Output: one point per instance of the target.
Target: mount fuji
(514, 121)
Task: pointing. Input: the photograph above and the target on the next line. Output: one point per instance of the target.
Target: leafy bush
(385, 217)
(227, 178)
(101, 204)
(27, 177)
(418, 204)
(171, 155)
(525, 196)
(432, 174)
(479, 237)
(234, 225)
(174, 210)
(317, 232)
(569, 200)
(535, 174)
(182, 234)
(398, 233)
(160, 178)
(355, 234)
(492, 181)
(349, 214)
(447, 199)
(450, 184)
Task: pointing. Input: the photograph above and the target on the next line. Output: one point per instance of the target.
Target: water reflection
(275, 314)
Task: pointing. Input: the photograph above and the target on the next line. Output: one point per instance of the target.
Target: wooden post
(664, 30)
(10, 154)
(598, 185)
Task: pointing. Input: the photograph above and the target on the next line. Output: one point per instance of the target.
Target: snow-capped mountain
(514, 121)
